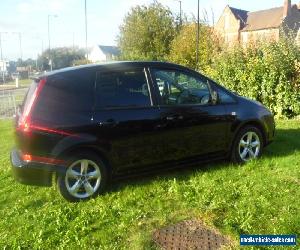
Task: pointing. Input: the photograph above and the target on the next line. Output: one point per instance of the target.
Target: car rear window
(69, 91)
(122, 89)
(65, 96)
(29, 94)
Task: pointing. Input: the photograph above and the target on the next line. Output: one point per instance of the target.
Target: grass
(22, 83)
(262, 197)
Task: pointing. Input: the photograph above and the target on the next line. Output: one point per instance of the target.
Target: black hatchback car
(88, 124)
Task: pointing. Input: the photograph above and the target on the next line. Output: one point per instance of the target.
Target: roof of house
(112, 50)
(240, 14)
(264, 19)
(258, 20)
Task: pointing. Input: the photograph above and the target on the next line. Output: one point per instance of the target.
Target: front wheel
(84, 178)
(247, 145)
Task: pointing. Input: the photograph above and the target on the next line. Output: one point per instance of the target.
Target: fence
(9, 101)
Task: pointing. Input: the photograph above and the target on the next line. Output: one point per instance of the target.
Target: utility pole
(180, 17)
(49, 42)
(2, 68)
(20, 43)
(198, 34)
(86, 35)
(180, 12)
(49, 47)
(73, 41)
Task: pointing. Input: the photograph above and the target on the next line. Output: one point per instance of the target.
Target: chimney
(287, 8)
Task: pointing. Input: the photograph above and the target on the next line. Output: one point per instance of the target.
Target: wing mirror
(213, 93)
(214, 97)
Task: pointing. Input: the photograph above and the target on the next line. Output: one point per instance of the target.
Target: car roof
(115, 64)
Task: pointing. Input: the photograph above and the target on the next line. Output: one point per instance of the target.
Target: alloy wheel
(83, 178)
(249, 146)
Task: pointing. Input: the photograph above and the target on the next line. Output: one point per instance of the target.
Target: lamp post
(49, 46)
(180, 12)
(20, 43)
(86, 35)
(180, 18)
(2, 68)
(198, 34)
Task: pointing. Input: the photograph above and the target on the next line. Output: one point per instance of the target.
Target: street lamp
(85, 15)
(49, 40)
(2, 68)
(198, 34)
(20, 43)
(180, 11)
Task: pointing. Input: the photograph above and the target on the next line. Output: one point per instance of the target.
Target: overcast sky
(104, 18)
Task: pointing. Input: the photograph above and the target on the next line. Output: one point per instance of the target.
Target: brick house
(242, 26)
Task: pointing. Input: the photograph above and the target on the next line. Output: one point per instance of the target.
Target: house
(246, 27)
(101, 53)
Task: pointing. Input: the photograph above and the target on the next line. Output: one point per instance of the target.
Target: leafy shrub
(146, 32)
(183, 47)
(268, 73)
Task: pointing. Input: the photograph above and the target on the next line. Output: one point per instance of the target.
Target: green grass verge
(262, 197)
(22, 83)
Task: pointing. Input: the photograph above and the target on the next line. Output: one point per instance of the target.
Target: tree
(183, 47)
(61, 57)
(147, 32)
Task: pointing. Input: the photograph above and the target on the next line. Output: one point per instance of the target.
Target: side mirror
(214, 97)
(213, 93)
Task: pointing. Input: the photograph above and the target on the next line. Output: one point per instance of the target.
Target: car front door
(193, 125)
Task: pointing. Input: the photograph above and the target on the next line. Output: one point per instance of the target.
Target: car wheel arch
(89, 149)
(254, 123)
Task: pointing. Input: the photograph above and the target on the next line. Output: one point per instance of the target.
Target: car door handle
(109, 122)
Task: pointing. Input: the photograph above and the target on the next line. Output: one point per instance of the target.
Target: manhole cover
(188, 235)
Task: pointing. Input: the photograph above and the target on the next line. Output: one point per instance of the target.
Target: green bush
(268, 73)
(183, 47)
(147, 32)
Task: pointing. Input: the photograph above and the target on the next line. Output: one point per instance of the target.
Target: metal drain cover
(188, 235)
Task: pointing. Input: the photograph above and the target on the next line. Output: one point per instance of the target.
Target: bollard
(17, 82)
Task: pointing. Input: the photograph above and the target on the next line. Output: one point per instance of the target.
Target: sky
(104, 17)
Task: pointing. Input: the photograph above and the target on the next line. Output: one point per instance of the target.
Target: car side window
(177, 87)
(224, 98)
(122, 89)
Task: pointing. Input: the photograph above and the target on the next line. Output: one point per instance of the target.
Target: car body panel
(131, 139)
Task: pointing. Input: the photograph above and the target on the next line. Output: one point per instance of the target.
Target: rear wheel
(84, 178)
(247, 145)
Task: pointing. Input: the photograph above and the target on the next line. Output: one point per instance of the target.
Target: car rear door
(125, 118)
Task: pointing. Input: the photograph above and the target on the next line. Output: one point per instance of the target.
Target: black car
(86, 125)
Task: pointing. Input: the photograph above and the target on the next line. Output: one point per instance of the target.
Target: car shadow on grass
(286, 142)
(180, 173)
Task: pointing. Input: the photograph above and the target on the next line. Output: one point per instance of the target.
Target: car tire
(86, 176)
(248, 145)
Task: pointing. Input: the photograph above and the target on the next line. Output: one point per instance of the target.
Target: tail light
(25, 119)
(39, 159)
(25, 123)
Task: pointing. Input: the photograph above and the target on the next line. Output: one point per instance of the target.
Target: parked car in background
(89, 124)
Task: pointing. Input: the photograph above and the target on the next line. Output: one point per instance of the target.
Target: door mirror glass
(214, 97)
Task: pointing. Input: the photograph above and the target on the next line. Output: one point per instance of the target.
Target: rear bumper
(31, 173)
